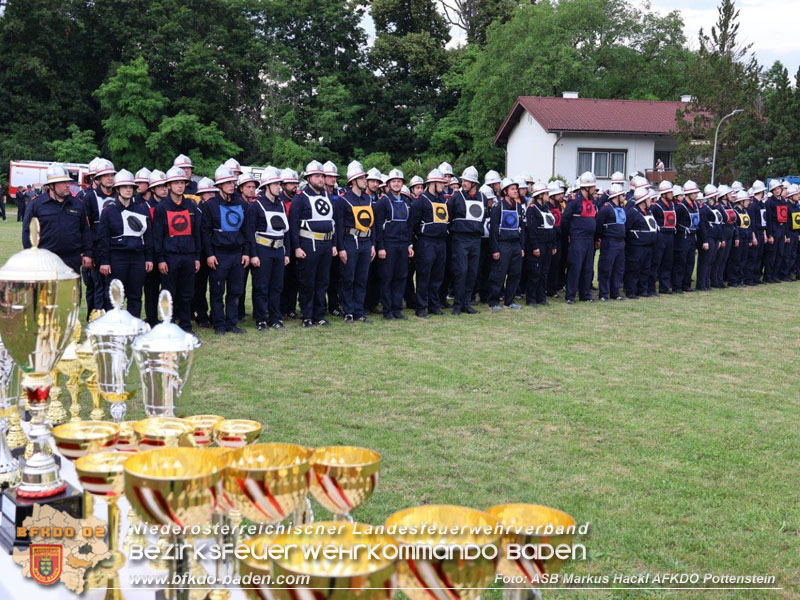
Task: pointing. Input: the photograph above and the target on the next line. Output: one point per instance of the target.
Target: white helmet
(355, 170)
(677, 191)
(723, 190)
(616, 189)
(507, 182)
(633, 175)
(470, 174)
(156, 178)
(314, 168)
(491, 177)
(587, 179)
(92, 170)
(206, 186)
(554, 187)
(223, 175)
(737, 186)
(330, 170)
(176, 174)
(758, 186)
(710, 191)
(792, 190)
(664, 187)
(539, 188)
(690, 187)
(56, 173)
(775, 183)
(435, 176)
(487, 191)
(405, 191)
(104, 167)
(124, 177)
(617, 177)
(245, 178)
(375, 174)
(741, 196)
(289, 176)
(640, 194)
(445, 168)
(233, 165)
(395, 174)
(639, 181)
(142, 175)
(384, 179)
(521, 181)
(183, 162)
(416, 180)
(530, 179)
(270, 175)
(454, 180)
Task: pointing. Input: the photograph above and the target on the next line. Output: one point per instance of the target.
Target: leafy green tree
(184, 133)
(79, 147)
(473, 17)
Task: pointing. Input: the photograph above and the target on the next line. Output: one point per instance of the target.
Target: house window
(601, 162)
(668, 158)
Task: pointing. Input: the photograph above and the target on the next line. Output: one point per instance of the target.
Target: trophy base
(16, 509)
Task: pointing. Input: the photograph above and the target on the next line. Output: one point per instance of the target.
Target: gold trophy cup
(235, 433)
(343, 478)
(447, 578)
(204, 428)
(160, 432)
(71, 368)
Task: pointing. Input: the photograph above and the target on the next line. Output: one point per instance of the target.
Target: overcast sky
(772, 26)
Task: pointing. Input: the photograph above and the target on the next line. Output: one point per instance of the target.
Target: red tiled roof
(591, 114)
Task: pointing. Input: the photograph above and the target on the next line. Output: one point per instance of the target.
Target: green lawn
(669, 424)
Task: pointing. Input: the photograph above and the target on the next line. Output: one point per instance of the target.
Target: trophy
(71, 368)
(343, 478)
(102, 474)
(10, 474)
(164, 357)
(85, 356)
(236, 433)
(111, 336)
(174, 487)
(56, 413)
(75, 440)
(160, 432)
(38, 310)
(126, 439)
(204, 428)
(363, 576)
(535, 517)
(223, 526)
(449, 577)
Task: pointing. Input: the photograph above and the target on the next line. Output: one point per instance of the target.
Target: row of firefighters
(343, 251)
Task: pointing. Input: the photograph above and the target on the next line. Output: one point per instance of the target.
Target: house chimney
(570, 94)
(686, 98)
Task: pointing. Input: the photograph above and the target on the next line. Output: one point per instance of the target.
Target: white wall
(640, 152)
(529, 149)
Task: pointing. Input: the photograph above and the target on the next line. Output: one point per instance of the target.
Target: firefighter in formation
(314, 250)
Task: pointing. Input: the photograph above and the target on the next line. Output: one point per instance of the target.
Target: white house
(546, 136)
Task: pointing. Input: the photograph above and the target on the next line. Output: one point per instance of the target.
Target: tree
(184, 133)
(473, 17)
(132, 108)
(79, 147)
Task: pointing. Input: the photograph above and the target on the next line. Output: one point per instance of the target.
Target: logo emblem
(695, 220)
(621, 217)
(363, 217)
(231, 217)
(669, 219)
(179, 223)
(782, 212)
(439, 212)
(744, 220)
(277, 223)
(46, 562)
(796, 220)
(133, 224)
(323, 206)
(509, 220)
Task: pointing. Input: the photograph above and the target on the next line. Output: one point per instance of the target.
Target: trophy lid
(166, 336)
(117, 321)
(35, 264)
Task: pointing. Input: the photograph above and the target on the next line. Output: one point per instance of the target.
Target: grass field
(670, 424)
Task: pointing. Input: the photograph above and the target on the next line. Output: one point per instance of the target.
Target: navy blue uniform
(177, 242)
(94, 201)
(200, 308)
(640, 240)
(556, 271)
(506, 227)
(125, 243)
(311, 226)
(688, 216)
(223, 237)
(267, 232)
(540, 235)
(429, 220)
(334, 301)
(738, 258)
(663, 253)
(152, 280)
(63, 228)
(355, 235)
(709, 232)
(579, 222)
(728, 236)
(373, 294)
(755, 254)
(790, 249)
(777, 218)
(467, 214)
(289, 293)
(393, 235)
(611, 228)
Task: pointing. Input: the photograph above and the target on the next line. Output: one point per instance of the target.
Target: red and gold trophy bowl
(161, 432)
(176, 487)
(343, 478)
(103, 475)
(126, 439)
(236, 433)
(534, 517)
(361, 576)
(449, 578)
(204, 428)
(76, 439)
